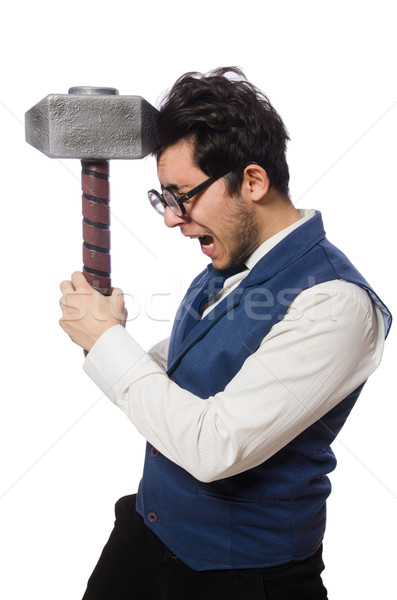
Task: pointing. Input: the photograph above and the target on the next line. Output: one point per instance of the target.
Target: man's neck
(275, 214)
(272, 241)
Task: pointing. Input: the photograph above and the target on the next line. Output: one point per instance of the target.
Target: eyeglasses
(175, 202)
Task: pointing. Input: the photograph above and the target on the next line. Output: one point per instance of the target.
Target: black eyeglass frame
(180, 200)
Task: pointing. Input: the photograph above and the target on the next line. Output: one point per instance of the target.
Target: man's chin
(226, 266)
(220, 265)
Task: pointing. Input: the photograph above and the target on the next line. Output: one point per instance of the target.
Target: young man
(269, 351)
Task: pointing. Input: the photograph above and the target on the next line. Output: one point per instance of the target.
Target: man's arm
(330, 341)
(159, 352)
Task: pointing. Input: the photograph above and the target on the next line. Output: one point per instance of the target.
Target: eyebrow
(175, 187)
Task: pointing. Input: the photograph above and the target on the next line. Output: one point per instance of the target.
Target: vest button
(154, 453)
(152, 517)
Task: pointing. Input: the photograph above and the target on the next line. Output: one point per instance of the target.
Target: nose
(172, 220)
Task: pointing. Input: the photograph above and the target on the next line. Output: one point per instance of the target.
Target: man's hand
(86, 314)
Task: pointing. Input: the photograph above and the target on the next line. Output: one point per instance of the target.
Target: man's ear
(255, 183)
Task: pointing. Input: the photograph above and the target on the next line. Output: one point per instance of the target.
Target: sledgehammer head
(91, 123)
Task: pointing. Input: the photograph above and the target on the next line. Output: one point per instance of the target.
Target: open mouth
(207, 242)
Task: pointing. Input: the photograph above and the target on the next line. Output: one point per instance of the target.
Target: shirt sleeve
(329, 342)
(159, 352)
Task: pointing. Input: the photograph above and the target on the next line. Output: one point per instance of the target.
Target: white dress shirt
(329, 342)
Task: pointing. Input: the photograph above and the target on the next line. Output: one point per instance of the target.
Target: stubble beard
(245, 232)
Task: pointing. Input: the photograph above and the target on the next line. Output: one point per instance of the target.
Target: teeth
(201, 237)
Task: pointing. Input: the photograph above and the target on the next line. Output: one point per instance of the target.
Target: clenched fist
(87, 314)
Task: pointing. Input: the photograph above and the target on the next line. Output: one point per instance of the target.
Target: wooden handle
(96, 224)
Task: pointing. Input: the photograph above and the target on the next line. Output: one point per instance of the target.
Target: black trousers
(136, 565)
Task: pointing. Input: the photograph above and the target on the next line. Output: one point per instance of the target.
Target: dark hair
(229, 123)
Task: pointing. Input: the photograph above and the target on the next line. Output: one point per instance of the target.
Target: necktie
(212, 286)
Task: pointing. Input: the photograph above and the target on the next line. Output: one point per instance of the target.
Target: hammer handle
(96, 224)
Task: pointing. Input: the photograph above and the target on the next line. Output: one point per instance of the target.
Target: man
(268, 353)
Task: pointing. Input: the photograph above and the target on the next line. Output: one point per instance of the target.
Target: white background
(66, 453)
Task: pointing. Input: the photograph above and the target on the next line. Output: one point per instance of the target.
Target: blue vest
(275, 512)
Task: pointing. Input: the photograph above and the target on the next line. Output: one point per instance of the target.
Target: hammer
(93, 124)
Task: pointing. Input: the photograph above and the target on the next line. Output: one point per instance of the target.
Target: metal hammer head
(92, 123)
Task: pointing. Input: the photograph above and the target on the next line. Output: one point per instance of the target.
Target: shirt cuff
(112, 358)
